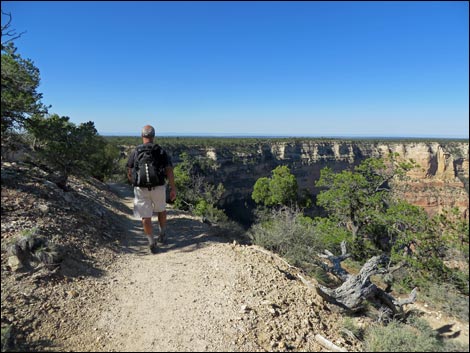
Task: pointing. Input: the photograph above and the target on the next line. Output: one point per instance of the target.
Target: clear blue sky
(263, 68)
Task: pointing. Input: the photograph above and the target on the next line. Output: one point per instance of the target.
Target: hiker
(148, 167)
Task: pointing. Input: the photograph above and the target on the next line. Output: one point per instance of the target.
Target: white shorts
(148, 201)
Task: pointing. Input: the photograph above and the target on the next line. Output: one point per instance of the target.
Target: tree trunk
(358, 288)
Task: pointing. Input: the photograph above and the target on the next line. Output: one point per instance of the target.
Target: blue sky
(262, 68)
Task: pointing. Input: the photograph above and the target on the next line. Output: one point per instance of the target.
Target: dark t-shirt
(163, 158)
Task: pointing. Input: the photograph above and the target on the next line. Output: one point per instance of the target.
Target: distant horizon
(255, 135)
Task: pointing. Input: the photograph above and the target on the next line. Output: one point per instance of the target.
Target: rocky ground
(201, 292)
(82, 225)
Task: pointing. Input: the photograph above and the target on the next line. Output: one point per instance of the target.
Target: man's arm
(130, 167)
(129, 174)
(171, 180)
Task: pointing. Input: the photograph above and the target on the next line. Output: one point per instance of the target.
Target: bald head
(148, 131)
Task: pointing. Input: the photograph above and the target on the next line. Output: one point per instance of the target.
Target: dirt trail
(200, 293)
(177, 300)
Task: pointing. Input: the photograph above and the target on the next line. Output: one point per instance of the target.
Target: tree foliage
(361, 202)
(195, 193)
(358, 198)
(20, 80)
(280, 189)
(363, 210)
(69, 148)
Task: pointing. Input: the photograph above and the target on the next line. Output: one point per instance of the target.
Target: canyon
(440, 182)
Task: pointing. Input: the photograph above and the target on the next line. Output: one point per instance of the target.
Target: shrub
(209, 212)
(288, 233)
(7, 338)
(417, 336)
(445, 297)
(414, 336)
(31, 248)
(349, 326)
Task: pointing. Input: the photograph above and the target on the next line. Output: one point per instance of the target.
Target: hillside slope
(201, 292)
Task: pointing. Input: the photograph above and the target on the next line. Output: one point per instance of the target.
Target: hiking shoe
(153, 248)
(161, 238)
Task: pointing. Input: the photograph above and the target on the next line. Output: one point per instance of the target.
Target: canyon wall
(440, 181)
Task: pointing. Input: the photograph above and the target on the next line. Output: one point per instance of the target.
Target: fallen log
(358, 288)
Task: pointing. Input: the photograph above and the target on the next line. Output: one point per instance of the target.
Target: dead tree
(7, 32)
(358, 288)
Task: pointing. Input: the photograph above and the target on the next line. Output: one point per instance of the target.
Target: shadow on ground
(184, 232)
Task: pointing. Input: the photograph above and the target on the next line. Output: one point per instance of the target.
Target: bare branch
(9, 20)
(411, 299)
(9, 33)
(336, 269)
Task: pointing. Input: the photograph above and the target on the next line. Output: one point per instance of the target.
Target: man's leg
(148, 230)
(162, 222)
(143, 209)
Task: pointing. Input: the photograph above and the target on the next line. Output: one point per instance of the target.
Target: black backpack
(149, 168)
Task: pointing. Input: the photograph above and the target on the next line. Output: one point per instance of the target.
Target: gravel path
(200, 292)
(179, 299)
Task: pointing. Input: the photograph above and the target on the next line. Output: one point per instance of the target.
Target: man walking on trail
(148, 167)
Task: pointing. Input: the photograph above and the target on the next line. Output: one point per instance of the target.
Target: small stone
(43, 208)
(273, 311)
(15, 264)
(73, 293)
(244, 309)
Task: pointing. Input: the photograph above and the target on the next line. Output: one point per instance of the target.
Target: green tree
(415, 238)
(194, 192)
(455, 229)
(261, 192)
(66, 147)
(358, 198)
(184, 171)
(361, 202)
(20, 80)
(105, 159)
(280, 189)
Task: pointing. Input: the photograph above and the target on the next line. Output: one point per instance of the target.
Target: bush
(7, 338)
(31, 248)
(209, 212)
(414, 336)
(349, 326)
(290, 234)
(417, 336)
(446, 298)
